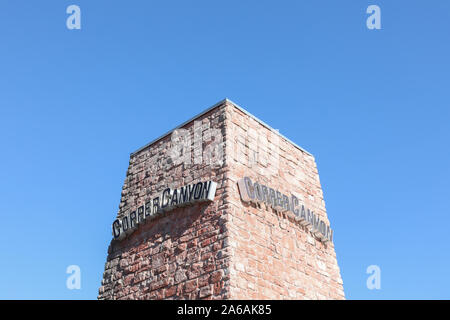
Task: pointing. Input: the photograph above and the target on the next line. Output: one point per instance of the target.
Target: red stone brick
(190, 285)
(225, 249)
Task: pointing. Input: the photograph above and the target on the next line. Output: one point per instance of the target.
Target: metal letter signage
(259, 193)
(168, 200)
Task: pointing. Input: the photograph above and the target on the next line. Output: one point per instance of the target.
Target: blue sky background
(373, 107)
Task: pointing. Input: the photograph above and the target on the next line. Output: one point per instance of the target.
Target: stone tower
(222, 207)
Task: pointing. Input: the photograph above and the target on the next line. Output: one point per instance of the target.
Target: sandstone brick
(226, 249)
(216, 276)
(206, 291)
(169, 292)
(191, 285)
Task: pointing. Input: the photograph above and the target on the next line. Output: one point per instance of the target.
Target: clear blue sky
(373, 107)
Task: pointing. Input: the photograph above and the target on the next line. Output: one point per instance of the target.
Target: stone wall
(180, 254)
(273, 256)
(225, 249)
